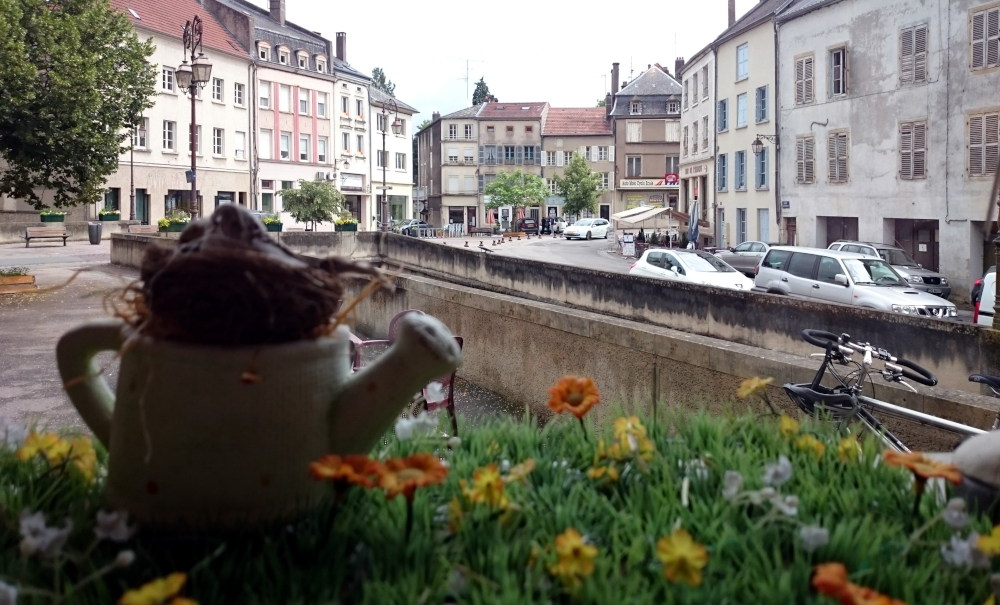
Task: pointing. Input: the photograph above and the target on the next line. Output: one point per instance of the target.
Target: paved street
(599, 254)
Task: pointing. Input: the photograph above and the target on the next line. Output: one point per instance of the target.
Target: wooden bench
(143, 229)
(480, 230)
(31, 233)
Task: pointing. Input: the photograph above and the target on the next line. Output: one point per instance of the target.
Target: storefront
(697, 186)
(633, 193)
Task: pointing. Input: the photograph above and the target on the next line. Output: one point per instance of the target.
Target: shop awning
(647, 214)
(632, 212)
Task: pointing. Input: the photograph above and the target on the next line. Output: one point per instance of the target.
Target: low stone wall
(13, 232)
(127, 249)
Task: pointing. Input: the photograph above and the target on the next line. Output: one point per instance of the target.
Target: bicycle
(846, 402)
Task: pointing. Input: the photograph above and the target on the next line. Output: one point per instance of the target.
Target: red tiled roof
(513, 111)
(576, 120)
(169, 16)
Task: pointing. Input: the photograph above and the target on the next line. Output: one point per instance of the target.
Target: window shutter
(807, 74)
(800, 160)
(906, 55)
(976, 145)
(560, 158)
(519, 154)
(831, 150)
(757, 170)
(611, 153)
(810, 160)
(991, 124)
(482, 154)
(757, 100)
(919, 150)
(920, 54)
(480, 183)
(538, 155)
(842, 158)
(992, 37)
(979, 40)
(799, 81)
(906, 150)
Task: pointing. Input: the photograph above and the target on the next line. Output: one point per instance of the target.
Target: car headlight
(915, 279)
(944, 282)
(904, 309)
(952, 312)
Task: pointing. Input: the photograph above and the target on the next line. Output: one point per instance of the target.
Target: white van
(983, 315)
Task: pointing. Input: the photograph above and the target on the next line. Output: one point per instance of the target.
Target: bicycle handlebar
(823, 340)
(820, 338)
(922, 376)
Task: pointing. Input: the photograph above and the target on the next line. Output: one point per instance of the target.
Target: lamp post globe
(397, 127)
(183, 74)
(202, 69)
(757, 146)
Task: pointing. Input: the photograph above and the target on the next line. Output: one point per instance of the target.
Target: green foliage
(516, 189)
(482, 93)
(13, 271)
(74, 81)
(382, 83)
(600, 102)
(313, 202)
(107, 211)
(347, 220)
(175, 217)
(271, 219)
(354, 550)
(53, 213)
(579, 186)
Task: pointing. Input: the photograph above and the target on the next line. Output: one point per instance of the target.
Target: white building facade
(394, 161)
(697, 165)
(890, 127)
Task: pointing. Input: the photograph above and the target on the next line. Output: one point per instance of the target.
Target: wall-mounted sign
(351, 182)
(555, 200)
(635, 198)
(671, 179)
(921, 247)
(646, 184)
(655, 198)
(692, 170)
(786, 205)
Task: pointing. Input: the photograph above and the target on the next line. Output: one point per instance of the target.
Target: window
(760, 169)
(345, 106)
(286, 145)
(722, 120)
(320, 66)
(469, 155)
(913, 55)
(605, 180)
(453, 183)
(985, 38)
(633, 132)
(760, 105)
(763, 228)
(508, 154)
(321, 144)
(673, 107)
(673, 162)
(838, 72)
(468, 132)
(217, 89)
(287, 185)
(913, 150)
(721, 173)
(635, 108)
(686, 93)
(240, 150)
(569, 156)
(284, 98)
(694, 90)
(283, 56)
(239, 90)
(400, 161)
(453, 154)
(529, 154)
(140, 134)
(490, 129)
(264, 52)
(837, 154)
(802, 265)
(266, 201)
(303, 102)
(304, 151)
(529, 129)
(704, 83)
(218, 141)
(805, 162)
(469, 184)
(167, 79)
(741, 225)
(321, 104)
(742, 61)
(741, 110)
(602, 154)
(552, 186)
(265, 144)
(169, 135)
(983, 138)
(265, 94)
(267, 184)
(633, 165)
(550, 158)
(452, 130)
(359, 108)
(491, 154)
(828, 270)
(684, 142)
(197, 140)
(803, 80)
(303, 62)
(694, 138)
(361, 144)
(510, 129)
(380, 159)
(740, 168)
(704, 133)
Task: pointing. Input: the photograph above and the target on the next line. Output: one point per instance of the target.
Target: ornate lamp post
(191, 77)
(758, 147)
(141, 133)
(397, 128)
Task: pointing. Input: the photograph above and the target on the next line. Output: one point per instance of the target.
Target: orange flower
(359, 470)
(405, 475)
(923, 467)
(831, 579)
(574, 395)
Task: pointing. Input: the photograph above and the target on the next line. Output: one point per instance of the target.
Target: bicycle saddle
(990, 381)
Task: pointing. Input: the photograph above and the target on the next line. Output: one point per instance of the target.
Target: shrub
(13, 271)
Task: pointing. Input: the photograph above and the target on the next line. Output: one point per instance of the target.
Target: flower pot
(109, 217)
(17, 283)
(273, 227)
(53, 218)
(173, 228)
(346, 227)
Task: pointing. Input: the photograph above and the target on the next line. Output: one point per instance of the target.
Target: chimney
(624, 84)
(614, 82)
(435, 116)
(678, 67)
(608, 104)
(341, 44)
(278, 11)
(732, 12)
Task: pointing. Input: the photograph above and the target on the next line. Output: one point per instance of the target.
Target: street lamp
(141, 132)
(397, 128)
(191, 77)
(758, 147)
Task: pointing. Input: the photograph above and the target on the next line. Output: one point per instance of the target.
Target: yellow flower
(576, 558)
(493, 448)
(455, 514)
(155, 592)
(83, 457)
(848, 450)
(753, 386)
(614, 451)
(626, 427)
(807, 443)
(487, 487)
(682, 557)
(990, 545)
(600, 472)
(521, 471)
(49, 445)
(991, 601)
(788, 426)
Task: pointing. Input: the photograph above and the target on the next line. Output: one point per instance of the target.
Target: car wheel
(605, 234)
(588, 236)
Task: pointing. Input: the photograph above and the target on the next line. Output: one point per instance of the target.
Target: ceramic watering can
(215, 438)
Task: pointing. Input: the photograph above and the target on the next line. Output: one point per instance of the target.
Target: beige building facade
(578, 131)
(510, 139)
(697, 173)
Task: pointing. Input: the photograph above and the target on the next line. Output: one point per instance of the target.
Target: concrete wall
(13, 233)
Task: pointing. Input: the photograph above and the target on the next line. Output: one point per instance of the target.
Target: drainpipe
(251, 144)
(777, 135)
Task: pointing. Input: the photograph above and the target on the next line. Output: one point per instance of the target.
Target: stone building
(448, 166)
(392, 161)
(697, 173)
(571, 131)
(510, 138)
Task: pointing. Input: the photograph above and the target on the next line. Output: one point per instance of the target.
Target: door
(654, 265)
(841, 228)
(670, 263)
(606, 212)
(470, 221)
(739, 257)
(826, 287)
(790, 231)
(799, 274)
(142, 206)
(456, 216)
(601, 228)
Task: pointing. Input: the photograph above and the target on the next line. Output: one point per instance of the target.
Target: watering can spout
(372, 398)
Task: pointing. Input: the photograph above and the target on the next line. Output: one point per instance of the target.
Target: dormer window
(303, 61)
(635, 108)
(282, 56)
(320, 65)
(673, 107)
(264, 51)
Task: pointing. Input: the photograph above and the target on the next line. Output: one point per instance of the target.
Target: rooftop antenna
(466, 78)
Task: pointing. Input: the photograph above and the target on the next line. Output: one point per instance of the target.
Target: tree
(313, 202)
(482, 93)
(579, 186)
(74, 81)
(600, 102)
(382, 83)
(516, 189)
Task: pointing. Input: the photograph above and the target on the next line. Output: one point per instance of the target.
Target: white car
(690, 266)
(983, 315)
(588, 228)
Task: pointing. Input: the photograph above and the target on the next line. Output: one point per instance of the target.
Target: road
(598, 254)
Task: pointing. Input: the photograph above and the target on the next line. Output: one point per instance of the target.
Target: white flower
(954, 514)
(12, 435)
(404, 429)
(813, 537)
(37, 538)
(732, 483)
(788, 505)
(113, 526)
(420, 425)
(777, 474)
(8, 594)
(764, 495)
(435, 392)
(454, 442)
(695, 468)
(964, 553)
(505, 466)
(124, 558)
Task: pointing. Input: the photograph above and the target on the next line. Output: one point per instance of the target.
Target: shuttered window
(913, 150)
(694, 138)
(760, 105)
(984, 134)
(985, 38)
(837, 156)
(913, 55)
(805, 160)
(684, 145)
(721, 175)
(633, 132)
(722, 120)
(804, 80)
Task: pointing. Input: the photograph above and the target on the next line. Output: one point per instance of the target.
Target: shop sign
(655, 198)
(351, 182)
(647, 183)
(635, 198)
(692, 170)
(671, 179)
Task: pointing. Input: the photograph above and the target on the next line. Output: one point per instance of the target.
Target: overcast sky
(558, 52)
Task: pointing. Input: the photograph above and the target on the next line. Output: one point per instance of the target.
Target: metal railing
(457, 137)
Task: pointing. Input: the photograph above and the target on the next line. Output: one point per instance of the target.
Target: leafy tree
(482, 93)
(74, 81)
(382, 83)
(313, 202)
(578, 185)
(516, 189)
(600, 102)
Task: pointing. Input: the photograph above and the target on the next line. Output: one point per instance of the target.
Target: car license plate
(935, 290)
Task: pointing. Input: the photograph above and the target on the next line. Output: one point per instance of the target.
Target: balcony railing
(462, 191)
(453, 161)
(458, 137)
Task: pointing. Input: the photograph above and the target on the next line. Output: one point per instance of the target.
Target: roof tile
(576, 121)
(169, 16)
(513, 111)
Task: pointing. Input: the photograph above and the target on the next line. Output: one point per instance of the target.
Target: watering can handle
(86, 388)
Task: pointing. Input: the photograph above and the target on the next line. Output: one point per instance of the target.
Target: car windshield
(897, 257)
(698, 264)
(864, 271)
(584, 222)
(711, 259)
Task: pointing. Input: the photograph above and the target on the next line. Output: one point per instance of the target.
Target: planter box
(347, 227)
(109, 217)
(173, 228)
(273, 227)
(53, 218)
(17, 283)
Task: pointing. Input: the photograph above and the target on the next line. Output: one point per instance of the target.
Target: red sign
(670, 179)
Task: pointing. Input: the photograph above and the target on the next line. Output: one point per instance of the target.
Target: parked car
(560, 224)
(411, 227)
(982, 315)
(977, 287)
(588, 228)
(690, 266)
(847, 278)
(528, 225)
(904, 264)
(746, 256)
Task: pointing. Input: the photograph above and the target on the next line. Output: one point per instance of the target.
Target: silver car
(745, 257)
(846, 278)
(904, 264)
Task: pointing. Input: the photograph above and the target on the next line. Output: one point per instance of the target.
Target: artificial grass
(355, 551)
